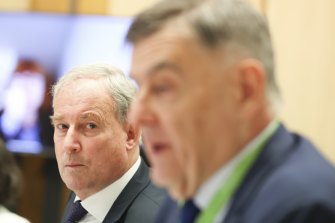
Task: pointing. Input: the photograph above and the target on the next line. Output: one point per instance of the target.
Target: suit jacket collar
(275, 150)
(138, 183)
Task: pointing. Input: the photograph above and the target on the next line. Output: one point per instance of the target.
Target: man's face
(186, 106)
(90, 143)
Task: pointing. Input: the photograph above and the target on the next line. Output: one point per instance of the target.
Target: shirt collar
(208, 189)
(100, 203)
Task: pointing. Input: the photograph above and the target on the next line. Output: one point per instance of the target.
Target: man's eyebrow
(54, 118)
(164, 65)
(91, 115)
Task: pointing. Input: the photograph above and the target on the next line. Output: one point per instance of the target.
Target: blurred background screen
(35, 50)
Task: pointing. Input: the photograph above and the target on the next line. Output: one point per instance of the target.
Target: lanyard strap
(221, 198)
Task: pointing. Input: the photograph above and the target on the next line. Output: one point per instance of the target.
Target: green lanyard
(221, 198)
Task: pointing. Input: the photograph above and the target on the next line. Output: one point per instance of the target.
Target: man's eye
(91, 126)
(61, 127)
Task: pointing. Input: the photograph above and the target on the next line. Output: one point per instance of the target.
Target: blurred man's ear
(252, 83)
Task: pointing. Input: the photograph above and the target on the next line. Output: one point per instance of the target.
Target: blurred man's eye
(160, 89)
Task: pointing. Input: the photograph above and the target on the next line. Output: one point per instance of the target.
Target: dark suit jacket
(138, 202)
(290, 182)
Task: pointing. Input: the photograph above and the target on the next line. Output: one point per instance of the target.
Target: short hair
(215, 23)
(120, 88)
(10, 177)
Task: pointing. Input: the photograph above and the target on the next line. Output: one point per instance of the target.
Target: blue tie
(189, 212)
(77, 212)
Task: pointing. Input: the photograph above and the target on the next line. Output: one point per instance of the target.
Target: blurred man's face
(90, 143)
(186, 106)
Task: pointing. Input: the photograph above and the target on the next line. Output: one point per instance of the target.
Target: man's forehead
(97, 114)
(155, 54)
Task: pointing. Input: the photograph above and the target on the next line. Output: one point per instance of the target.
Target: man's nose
(71, 141)
(141, 111)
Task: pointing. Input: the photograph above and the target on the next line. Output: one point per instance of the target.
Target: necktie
(189, 212)
(77, 212)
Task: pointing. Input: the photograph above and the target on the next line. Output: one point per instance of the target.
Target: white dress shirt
(9, 217)
(99, 203)
(209, 188)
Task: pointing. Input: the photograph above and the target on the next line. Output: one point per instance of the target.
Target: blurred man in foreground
(207, 106)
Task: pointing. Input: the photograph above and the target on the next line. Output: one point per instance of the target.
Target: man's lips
(74, 165)
(159, 147)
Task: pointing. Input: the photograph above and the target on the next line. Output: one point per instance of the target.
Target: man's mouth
(158, 148)
(73, 165)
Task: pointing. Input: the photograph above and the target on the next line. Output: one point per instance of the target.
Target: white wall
(304, 38)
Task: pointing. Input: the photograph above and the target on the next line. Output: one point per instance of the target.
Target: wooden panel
(32, 201)
(17, 5)
(45, 195)
(58, 6)
(128, 7)
(92, 7)
(304, 42)
(64, 198)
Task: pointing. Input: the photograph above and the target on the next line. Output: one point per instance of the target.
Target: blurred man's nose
(141, 111)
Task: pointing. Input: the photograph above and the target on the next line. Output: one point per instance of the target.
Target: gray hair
(121, 89)
(231, 23)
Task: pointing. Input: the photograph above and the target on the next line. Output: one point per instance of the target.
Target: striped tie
(77, 212)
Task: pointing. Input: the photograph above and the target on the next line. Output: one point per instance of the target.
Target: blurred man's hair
(233, 24)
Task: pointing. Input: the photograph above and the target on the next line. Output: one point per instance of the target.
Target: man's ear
(133, 134)
(252, 84)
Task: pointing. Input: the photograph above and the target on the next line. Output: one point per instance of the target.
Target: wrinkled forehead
(84, 92)
(169, 49)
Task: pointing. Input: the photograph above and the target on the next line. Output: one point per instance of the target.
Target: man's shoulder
(145, 200)
(151, 194)
(303, 167)
(302, 173)
(145, 205)
(292, 179)
(293, 158)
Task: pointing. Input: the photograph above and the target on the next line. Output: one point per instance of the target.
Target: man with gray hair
(208, 105)
(97, 148)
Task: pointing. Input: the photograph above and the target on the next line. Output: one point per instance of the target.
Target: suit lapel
(137, 184)
(274, 152)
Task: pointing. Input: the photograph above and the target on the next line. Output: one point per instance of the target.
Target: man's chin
(178, 193)
(175, 190)
(157, 178)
